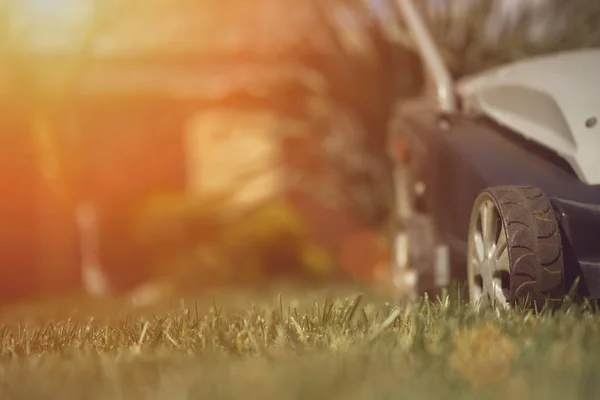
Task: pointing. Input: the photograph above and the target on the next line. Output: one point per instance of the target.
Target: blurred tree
(475, 35)
(322, 71)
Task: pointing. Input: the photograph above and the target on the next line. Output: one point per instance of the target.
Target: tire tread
(534, 244)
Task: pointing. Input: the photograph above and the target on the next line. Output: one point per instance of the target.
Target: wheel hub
(492, 284)
(487, 275)
(488, 256)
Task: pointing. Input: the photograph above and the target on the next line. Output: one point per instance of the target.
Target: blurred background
(192, 144)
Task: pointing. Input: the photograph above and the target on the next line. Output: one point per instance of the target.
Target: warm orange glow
(43, 9)
(49, 25)
(136, 100)
(362, 254)
(43, 6)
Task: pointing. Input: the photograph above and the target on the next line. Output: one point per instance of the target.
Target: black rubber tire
(534, 245)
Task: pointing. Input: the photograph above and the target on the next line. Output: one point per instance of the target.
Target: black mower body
(460, 157)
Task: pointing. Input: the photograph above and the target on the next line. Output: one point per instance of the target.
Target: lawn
(318, 344)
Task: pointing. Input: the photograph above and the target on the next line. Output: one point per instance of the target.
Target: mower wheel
(514, 249)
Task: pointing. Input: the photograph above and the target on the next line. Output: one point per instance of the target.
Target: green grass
(301, 346)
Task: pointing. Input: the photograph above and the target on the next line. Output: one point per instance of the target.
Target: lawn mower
(497, 176)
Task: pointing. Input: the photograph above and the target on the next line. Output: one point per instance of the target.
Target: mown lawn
(307, 345)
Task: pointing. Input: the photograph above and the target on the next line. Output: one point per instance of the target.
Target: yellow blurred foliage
(316, 260)
(482, 355)
(191, 240)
